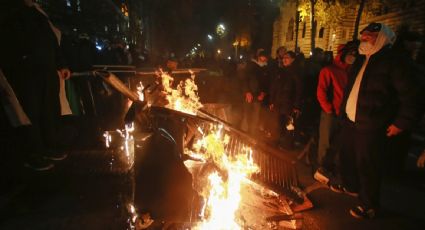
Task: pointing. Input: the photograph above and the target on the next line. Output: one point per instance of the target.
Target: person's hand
(393, 130)
(271, 107)
(64, 73)
(421, 160)
(248, 97)
(261, 96)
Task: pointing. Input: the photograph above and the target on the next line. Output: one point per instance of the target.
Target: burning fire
(184, 98)
(222, 194)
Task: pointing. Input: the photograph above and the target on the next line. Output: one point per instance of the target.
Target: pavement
(68, 198)
(402, 201)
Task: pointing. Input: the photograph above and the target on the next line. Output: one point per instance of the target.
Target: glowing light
(221, 30)
(240, 56)
(210, 37)
(229, 58)
(219, 51)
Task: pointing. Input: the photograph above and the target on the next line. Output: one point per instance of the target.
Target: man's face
(287, 60)
(368, 36)
(262, 59)
(350, 58)
(281, 52)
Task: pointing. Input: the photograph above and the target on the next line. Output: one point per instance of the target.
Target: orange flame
(223, 196)
(185, 97)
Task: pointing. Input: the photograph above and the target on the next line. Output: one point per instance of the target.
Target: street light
(219, 51)
(210, 37)
(221, 29)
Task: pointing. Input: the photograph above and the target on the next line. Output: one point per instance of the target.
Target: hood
(385, 36)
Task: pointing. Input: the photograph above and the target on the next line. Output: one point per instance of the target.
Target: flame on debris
(222, 195)
(185, 97)
(140, 89)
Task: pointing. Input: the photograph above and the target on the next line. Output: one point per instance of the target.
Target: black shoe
(39, 164)
(363, 212)
(55, 155)
(341, 189)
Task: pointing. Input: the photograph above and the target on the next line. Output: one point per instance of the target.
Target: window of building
(321, 32)
(344, 34)
(290, 32)
(303, 34)
(78, 6)
(315, 28)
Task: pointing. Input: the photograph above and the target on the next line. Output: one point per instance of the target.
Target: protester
(330, 90)
(255, 87)
(280, 52)
(407, 47)
(381, 101)
(285, 100)
(31, 61)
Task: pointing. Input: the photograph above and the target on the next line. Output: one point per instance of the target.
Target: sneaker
(55, 156)
(39, 164)
(341, 189)
(322, 175)
(363, 213)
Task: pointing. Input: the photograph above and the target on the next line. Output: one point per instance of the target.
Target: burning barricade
(199, 172)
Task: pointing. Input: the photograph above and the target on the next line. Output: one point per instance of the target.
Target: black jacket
(388, 94)
(257, 79)
(30, 57)
(286, 90)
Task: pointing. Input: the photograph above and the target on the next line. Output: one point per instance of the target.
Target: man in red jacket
(330, 90)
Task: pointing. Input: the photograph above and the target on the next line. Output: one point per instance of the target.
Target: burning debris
(201, 173)
(230, 199)
(222, 192)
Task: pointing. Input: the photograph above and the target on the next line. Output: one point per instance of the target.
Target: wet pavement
(70, 198)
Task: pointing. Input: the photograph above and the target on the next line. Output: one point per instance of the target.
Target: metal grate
(277, 170)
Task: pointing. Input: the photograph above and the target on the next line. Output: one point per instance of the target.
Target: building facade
(409, 13)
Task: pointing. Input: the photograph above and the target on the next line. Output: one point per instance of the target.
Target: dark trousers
(397, 150)
(252, 112)
(39, 97)
(287, 136)
(360, 161)
(327, 129)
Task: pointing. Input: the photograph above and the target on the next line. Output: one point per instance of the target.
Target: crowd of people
(362, 102)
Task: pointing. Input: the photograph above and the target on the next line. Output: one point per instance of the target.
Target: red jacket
(332, 82)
